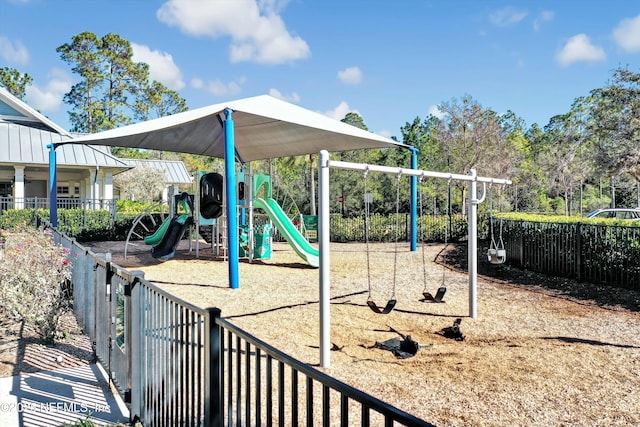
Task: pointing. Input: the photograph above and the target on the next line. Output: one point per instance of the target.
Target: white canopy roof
(265, 127)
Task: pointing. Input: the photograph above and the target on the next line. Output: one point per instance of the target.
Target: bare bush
(34, 277)
(142, 184)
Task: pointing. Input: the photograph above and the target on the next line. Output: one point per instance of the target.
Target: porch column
(165, 195)
(107, 193)
(95, 189)
(85, 191)
(18, 187)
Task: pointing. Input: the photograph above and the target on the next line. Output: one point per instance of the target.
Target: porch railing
(62, 203)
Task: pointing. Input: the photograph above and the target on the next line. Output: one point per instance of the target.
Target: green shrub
(34, 276)
(562, 219)
(132, 207)
(11, 218)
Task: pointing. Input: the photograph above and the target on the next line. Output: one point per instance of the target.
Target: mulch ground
(542, 351)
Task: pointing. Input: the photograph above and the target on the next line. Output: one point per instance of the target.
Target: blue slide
(282, 222)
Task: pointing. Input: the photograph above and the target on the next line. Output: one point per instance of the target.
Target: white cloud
(350, 76)
(544, 16)
(48, 99)
(435, 111)
(627, 34)
(14, 53)
(507, 17)
(219, 88)
(294, 97)
(339, 112)
(385, 133)
(257, 32)
(272, 6)
(197, 83)
(161, 66)
(579, 49)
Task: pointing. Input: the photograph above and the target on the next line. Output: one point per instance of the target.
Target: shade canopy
(265, 127)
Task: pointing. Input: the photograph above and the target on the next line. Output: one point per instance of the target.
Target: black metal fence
(261, 385)
(177, 364)
(595, 253)
(382, 228)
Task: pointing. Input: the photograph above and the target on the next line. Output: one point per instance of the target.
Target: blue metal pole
(53, 186)
(230, 187)
(414, 201)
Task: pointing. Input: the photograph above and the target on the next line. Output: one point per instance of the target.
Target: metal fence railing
(177, 364)
(596, 253)
(261, 385)
(62, 203)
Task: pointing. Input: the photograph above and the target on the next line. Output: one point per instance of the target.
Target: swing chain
(422, 236)
(395, 259)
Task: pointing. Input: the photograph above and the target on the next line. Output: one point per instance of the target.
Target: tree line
(584, 159)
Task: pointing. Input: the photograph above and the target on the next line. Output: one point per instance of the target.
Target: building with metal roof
(84, 172)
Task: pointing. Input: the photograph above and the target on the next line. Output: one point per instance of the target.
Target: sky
(388, 61)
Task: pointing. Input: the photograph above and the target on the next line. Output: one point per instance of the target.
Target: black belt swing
(392, 302)
(428, 297)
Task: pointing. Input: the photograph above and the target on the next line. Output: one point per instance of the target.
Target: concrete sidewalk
(51, 398)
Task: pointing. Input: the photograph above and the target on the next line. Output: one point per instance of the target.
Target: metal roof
(25, 135)
(20, 144)
(175, 171)
(14, 110)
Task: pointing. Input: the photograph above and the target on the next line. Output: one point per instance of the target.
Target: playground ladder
(220, 237)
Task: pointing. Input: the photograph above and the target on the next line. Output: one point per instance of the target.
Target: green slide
(282, 222)
(156, 237)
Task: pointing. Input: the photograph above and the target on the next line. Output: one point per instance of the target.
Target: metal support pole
(324, 262)
(53, 186)
(472, 217)
(414, 202)
(231, 196)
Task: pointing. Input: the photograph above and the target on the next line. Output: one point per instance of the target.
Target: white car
(618, 213)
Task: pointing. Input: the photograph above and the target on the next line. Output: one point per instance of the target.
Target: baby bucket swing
(392, 302)
(496, 254)
(428, 297)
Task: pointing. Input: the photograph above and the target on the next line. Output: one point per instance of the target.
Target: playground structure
(254, 240)
(208, 209)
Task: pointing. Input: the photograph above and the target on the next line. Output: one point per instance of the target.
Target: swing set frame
(474, 199)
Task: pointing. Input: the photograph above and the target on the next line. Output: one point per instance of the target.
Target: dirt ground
(541, 352)
(23, 351)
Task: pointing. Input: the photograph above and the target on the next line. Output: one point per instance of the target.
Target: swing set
(474, 199)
